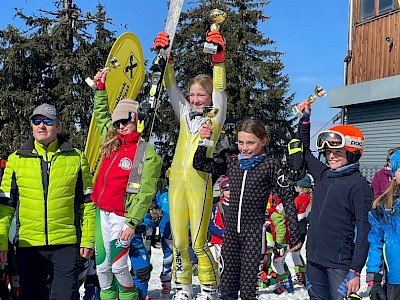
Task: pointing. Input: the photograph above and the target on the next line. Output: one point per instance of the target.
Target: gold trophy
(319, 92)
(217, 16)
(112, 63)
(209, 112)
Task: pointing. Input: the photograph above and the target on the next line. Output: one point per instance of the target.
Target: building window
(385, 5)
(366, 9)
(371, 8)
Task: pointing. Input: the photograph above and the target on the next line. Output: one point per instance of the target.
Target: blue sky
(312, 34)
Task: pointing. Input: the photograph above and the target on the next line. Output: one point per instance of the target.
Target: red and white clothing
(216, 228)
(303, 205)
(114, 174)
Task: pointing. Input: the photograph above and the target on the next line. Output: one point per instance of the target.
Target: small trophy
(217, 16)
(318, 92)
(112, 63)
(209, 112)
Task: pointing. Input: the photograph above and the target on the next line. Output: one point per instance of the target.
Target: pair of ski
(148, 107)
(125, 63)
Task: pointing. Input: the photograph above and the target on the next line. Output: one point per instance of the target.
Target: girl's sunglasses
(47, 122)
(122, 122)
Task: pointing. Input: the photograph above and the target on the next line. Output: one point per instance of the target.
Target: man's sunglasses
(122, 122)
(47, 122)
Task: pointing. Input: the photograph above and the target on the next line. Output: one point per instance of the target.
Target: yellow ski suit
(190, 193)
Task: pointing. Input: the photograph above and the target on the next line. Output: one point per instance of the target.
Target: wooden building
(370, 95)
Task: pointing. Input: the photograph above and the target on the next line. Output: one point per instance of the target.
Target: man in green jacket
(47, 185)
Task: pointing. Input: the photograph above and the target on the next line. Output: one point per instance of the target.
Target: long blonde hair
(386, 199)
(111, 143)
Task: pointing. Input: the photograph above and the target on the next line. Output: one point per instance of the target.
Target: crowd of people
(240, 242)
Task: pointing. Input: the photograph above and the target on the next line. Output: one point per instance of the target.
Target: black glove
(139, 229)
(295, 160)
(375, 291)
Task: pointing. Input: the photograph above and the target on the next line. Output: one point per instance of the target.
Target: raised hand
(100, 79)
(305, 106)
(215, 37)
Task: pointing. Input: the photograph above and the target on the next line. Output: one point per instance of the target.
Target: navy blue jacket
(341, 202)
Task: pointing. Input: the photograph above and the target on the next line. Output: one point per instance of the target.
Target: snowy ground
(299, 293)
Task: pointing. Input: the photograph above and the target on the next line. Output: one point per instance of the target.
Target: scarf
(346, 167)
(251, 162)
(344, 170)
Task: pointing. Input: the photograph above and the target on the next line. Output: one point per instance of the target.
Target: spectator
(303, 207)
(383, 177)
(216, 226)
(384, 238)
(276, 224)
(162, 202)
(47, 183)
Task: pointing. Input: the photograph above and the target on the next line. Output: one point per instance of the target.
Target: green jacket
(136, 205)
(278, 220)
(49, 190)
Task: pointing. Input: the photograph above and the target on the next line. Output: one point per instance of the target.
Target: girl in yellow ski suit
(190, 193)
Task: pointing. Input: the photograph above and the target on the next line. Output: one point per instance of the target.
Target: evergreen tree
(256, 83)
(49, 62)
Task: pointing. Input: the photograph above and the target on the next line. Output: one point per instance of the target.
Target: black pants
(323, 282)
(393, 291)
(48, 272)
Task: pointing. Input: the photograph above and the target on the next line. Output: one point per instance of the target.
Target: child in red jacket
(303, 207)
(216, 226)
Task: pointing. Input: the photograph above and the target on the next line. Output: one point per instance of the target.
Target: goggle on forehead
(335, 140)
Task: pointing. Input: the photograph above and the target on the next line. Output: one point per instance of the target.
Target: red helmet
(355, 139)
(341, 136)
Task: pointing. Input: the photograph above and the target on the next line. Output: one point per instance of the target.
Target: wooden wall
(372, 57)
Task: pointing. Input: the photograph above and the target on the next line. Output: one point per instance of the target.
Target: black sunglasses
(47, 122)
(122, 122)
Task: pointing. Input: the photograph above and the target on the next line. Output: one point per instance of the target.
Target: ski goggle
(335, 140)
(123, 122)
(47, 122)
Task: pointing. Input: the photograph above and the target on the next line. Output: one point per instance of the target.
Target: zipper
(187, 156)
(241, 200)
(105, 176)
(46, 190)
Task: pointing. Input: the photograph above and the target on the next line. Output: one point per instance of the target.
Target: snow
(299, 293)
